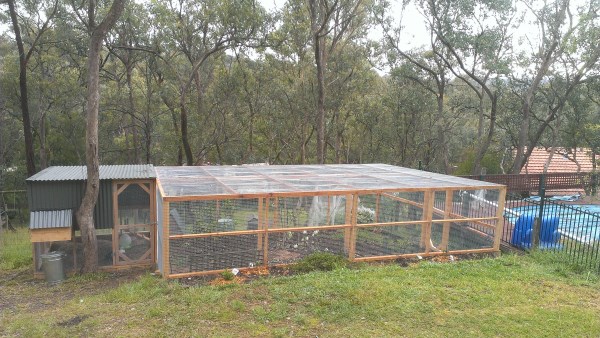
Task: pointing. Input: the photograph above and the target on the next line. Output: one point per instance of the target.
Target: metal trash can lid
(52, 254)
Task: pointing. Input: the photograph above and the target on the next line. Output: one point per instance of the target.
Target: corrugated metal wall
(52, 195)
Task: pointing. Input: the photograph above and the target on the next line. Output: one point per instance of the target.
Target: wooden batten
(50, 235)
(446, 227)
(427, 217)
(348, 220)
(499, 215)
(165, 248)
(353, 230)
(266, 234)
(259, 242)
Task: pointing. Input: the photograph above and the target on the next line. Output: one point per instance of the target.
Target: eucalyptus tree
(129, 44)
(562, 58)
(38, 20)
(477, 42)
(198, 31)
(333, 24)
(97, 33)
(429, 70)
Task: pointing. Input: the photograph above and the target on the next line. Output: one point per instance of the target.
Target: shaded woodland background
(317, 81)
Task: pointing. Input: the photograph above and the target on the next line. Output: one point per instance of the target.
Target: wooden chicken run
(215, 218)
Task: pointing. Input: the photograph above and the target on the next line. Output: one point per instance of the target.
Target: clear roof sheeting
(286, 179)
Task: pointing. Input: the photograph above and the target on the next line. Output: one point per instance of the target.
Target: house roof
(51, 219)
(563, 160)
(107, 172)
(292, 179)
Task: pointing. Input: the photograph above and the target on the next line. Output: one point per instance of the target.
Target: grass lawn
(534, 295)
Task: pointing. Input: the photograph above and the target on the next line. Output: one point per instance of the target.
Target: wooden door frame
(118, 186)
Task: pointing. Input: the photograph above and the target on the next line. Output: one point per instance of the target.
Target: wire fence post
(537, 224)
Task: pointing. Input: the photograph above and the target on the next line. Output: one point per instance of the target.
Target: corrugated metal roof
(107, 172)
(51, 219)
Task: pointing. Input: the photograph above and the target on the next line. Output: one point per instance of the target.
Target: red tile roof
(563, 160)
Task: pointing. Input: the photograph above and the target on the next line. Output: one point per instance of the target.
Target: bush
(320, 261)
(227, 275)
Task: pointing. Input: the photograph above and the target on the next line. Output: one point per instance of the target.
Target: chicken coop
(215, 218)
(124, 215)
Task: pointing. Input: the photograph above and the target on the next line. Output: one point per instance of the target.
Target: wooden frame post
(266, 234)
(166, 240)
(500, 216)
(259, 244)
(116, 221)
(353, 229)
(348, 221)
(448, 206)
(427, 217)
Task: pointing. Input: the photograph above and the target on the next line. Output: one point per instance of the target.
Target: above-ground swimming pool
(579, 222)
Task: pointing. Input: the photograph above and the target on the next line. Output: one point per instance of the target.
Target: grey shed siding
(60, 195)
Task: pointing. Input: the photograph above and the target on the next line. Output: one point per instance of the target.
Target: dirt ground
(21, 290)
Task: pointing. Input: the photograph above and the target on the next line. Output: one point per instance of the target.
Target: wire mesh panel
(307, 211)
(214, 253)
(212, 216)
(460, 236)
(289, 247)
(389, 207)
(212, 235)
(388, 240)
(474, 203)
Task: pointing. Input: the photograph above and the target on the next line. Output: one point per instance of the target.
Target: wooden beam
(50, 235)
(266, 235)
(428, 199)
(259, 244)
(153, 218)
(500, 216)
(403, 200)
(446, 227)
(353, 230)
(348, 220)
(116, 221)
(166, 239)
(425, 254)
(120, 190)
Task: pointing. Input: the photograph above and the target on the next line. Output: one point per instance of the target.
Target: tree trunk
(43, 152)
(485, 144)
(189, 158)
(28, 136)
(84, 214)
(320, 61)
(134, 132)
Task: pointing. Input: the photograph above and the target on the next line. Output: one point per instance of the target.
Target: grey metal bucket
(52, 264)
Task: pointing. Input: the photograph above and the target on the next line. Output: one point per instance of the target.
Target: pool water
(579, 222)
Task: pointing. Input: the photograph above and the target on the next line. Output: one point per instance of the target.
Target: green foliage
(320, 261)
(15, 249)
(491, 161)
(227, 275)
